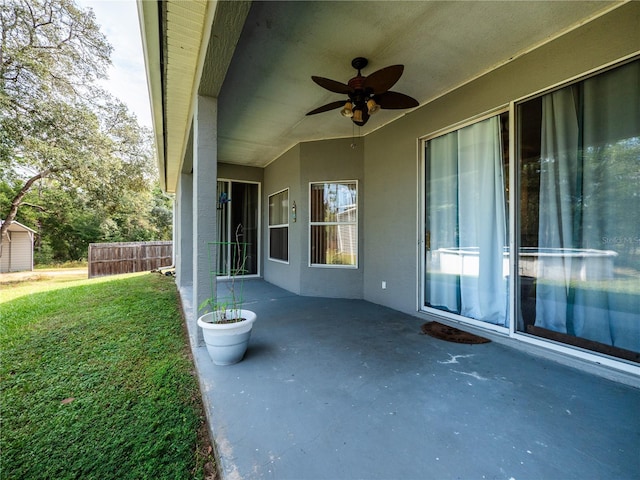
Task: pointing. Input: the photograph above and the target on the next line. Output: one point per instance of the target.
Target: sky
(118, 20)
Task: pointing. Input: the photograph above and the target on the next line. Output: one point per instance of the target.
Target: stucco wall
(240, 172)
(391, 163)
(331, 160)
(280, 174)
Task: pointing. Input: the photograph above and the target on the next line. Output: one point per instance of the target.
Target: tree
(91, 161)
(162, 214)
(51, 53)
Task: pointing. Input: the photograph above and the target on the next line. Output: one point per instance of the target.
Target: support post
(183, 240)
(205, 173)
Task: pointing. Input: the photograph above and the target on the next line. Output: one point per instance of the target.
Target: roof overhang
(18, 227)
(179, 38)
(257, 59)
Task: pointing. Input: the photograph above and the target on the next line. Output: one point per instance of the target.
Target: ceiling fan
(367, 94)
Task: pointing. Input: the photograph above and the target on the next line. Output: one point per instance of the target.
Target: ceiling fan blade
(332, 85)
(395, 101)
(383, 79)
(327, 107)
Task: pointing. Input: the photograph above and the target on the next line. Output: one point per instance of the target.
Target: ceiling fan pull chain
(353, 136)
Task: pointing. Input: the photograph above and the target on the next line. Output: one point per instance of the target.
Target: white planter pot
(227, 342)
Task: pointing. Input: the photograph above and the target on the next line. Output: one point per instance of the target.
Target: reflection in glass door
(238, 221)
(466, 234)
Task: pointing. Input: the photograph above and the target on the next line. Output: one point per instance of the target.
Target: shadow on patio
(345, 389)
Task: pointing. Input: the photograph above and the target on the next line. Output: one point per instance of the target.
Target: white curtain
(467, 214)
(588, 195)
(558, 183)
(442, 203)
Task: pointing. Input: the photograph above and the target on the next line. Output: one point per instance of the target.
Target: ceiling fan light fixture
(347, 110)
(357, 115)
(372, 106)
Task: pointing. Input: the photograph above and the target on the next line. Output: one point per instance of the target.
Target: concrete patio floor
(345, 389)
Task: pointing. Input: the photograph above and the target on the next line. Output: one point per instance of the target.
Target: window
(334, 224)
(466, 249)
(579, 218)
(279, 226)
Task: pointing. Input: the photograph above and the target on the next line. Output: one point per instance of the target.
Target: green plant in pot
(226, 326)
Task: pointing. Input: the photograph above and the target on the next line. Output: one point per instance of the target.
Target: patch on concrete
(475, 375)
(454, 358)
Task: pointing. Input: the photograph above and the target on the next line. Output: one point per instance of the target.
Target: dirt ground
(15, 277)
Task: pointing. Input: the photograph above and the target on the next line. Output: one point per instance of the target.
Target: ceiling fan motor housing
(359, 93)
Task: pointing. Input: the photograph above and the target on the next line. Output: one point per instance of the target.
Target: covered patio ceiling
(261, 56)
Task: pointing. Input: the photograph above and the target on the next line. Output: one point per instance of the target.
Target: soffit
(185, 31)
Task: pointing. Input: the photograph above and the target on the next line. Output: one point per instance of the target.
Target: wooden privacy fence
(128, 257)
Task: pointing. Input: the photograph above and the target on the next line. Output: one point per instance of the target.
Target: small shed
(17, 248)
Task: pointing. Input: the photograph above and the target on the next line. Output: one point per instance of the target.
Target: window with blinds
(333, 224)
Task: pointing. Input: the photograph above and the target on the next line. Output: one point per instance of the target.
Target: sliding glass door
(466, 257)
(579, 149)
(238, 221)
(577, 223)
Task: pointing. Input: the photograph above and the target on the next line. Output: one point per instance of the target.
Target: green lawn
(97, 382)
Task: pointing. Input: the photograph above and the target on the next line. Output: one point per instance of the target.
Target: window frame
(277, 226)
(336, 223)
(230, 182)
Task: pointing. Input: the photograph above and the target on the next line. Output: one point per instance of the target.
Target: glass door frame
(422, 254)
(229, 182)
(566, 350)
